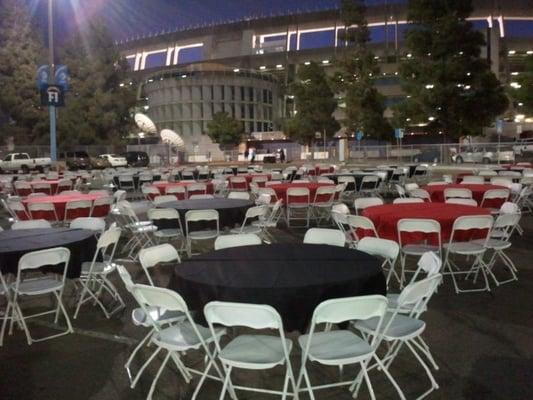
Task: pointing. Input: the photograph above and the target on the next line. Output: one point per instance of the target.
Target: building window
(242, 93)
(251, 93)
(232, 92)
(250, 111)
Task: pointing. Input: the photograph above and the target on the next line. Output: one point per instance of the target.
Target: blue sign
(499, 126)
(398, 133)
(42, 77)
(61, 76)
(359, 135)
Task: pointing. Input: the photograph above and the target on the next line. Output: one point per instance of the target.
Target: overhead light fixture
(307, 62)
(236, 70)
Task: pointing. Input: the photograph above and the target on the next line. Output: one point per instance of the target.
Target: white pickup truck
(14, 162)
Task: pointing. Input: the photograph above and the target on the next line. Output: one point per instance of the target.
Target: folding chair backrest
(407, 200)
(496, 194)
(419, 292)
(89, 223)
(164, 199)
(364, 202)
(469, 222)
(501, 181)
(426, 226)
(505, 224)
(108, 239)
(460, 193)
(464, 202)
(324, 194)
(359, 222)
(37, 259)
(201, 215)
(411, 186)
(201, 188)
(350, 308)
(340, 208)
(255, 316)
(33, 224)
(126, 277)
(153, 296)
(239, 195)
(177, 190)
(384, 248)
(237, 240)
(332, 237)
(430, 263)
(509, 208)
(421, 193)
(475, 179)
(256, 212)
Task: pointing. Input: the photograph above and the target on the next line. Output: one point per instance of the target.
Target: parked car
(115, 160)
(523, 146)
(75, 159)
(137, 158)
(483, 155)
(22, 161)
(99, 162)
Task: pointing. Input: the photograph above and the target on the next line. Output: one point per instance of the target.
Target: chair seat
(255, 351)
(336, 347)
(494, 244)
(99, 268)
(265, 224)
(465, 248)
(402, 326)
(200, 235)
(182, 336)
(38, 286)
(139, 317)
(418, 249)
(165, 233)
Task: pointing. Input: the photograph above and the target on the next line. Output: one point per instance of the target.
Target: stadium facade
(242, 67)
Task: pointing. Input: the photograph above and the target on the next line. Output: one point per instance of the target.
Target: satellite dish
(171, 137)
(145, 123)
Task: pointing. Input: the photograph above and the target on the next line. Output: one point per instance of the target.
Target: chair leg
(135, 351)
(141, 370)
(154, 382)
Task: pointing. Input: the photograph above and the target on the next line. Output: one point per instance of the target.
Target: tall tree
(522, 93)
(357, 68)
(448, 85)
(225, 130)
(315, 104)
(100, 98)
(23, 118)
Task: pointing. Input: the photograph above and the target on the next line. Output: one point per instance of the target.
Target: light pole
(51, 66)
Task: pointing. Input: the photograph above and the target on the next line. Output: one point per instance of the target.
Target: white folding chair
(39, 210)
(46, 284)
(150, 257)
(251, 351)
(473, 179)
(180, 192)
(139, 230)
(322, 203)
(369, 186)
(201, 196)
(407, 200)
(16, 209)
(386, 249)
(77, 209)
(297, 205)
(205, 216)
(150, 192)
(350, 186)
(5, 315)
(239, 195)
(494, 194)
(125, 182)
(94, 274)
(168, 224)
(269, 222)
(501, 181)
(102, 206)
(97, 225)
(196, 188)
(461, 247)
(42, 187)
(176, 338)
(464, 202)
(364, 202)
(332, 237)
(364, 225)
(397, 329)
(22, 188)
(63, 185)
(420, 193)
(457, 193)
(162, 199)
(426, 228)
(237, 240)
(32, 224)
(252, 214)
(343, 347)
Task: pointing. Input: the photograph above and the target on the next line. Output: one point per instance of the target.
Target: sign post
(499, 131)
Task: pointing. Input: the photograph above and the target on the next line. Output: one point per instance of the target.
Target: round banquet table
(292, 278)
(163, 185)
(60, 201)
(478, 190)
(281, 189)
(386, 217)
(231, 212)
(15, 243)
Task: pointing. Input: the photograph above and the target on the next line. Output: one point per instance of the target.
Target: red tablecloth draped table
(162, 186)
(386, 217)
(60, 201)
(478, 190)
(249, 178)
(281, 190)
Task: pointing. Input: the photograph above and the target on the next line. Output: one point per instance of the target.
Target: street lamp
(51, 73)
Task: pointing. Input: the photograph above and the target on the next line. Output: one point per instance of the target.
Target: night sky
(130, 18)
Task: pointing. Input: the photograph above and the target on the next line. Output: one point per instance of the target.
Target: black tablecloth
(135, 180)
(293, 278)
(14, 244)
(231, 212)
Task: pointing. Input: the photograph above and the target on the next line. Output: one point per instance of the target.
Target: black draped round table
(231, 212)
(293, 278)
(15, 243)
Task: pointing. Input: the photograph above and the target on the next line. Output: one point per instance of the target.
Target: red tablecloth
(162, 186)
(281, 189)
(249, 178)
(386, 217)
(478, 190)
(60, 202)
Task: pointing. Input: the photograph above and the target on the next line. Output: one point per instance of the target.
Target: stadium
(241, 67)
